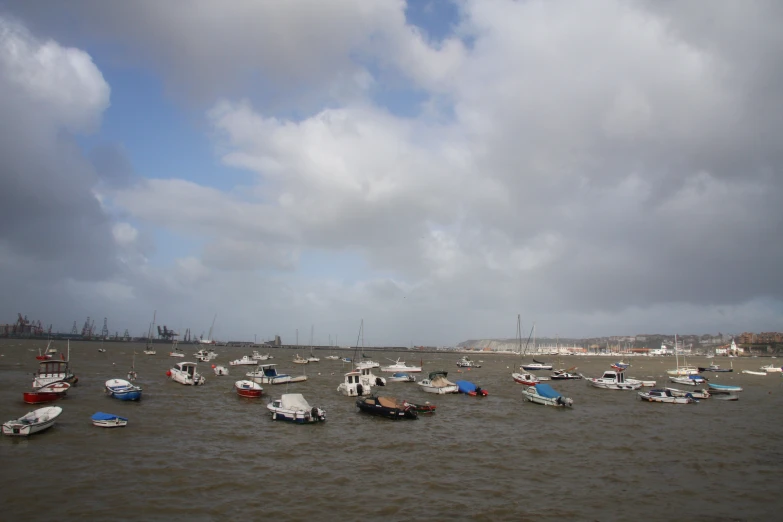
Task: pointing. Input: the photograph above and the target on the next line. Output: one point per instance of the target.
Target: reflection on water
(202, 453)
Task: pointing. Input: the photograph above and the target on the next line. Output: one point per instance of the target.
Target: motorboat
(543, 393)
(666, 396)
(422, 407)
(185, 373)
(53, 371)
(244, 361)
(388, 407)
(298, 359)
(536, 365)
(696, 394)
(205, 355)
(249, 389)
(564, 375)
(32, 422)
(123, 390)
(641, 382)
(398, 366)
(259, 357)
(752, 372)
(689, 380)
(401, 377)
(293, 407)
(438, 383)
(525, 378)
(346, 359)
(714, 368)
(360, 382)
(313, 358)
(176, 352)
(108, 420)
(613, 380)
(620, 366)
(332, 357)
(466, 362)
(267, 374)
(724, 387)
(471, 389)
(771, 369)
(220, 370)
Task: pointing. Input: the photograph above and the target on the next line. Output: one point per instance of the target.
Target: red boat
(422, 408)
(55, 387)
(248, 389)
(43, 357)
(36, 397)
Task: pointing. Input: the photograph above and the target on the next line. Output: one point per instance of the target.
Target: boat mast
(519, 335)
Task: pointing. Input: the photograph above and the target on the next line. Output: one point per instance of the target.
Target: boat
(751, 372)
(369, 363)
(56, 387)
(466, 362)
(258, 357)
(438, 383)
(640, 382)
(249, 389)
(543, 393)
(177, 352)
(666, 396)
(401, 377)
(312, 358)
(298, 359)
(40, 396)
(689, 380)
(564, 375)
(714, 368)
(620, 366)
(220, 370)
(388, 407)
(205, 355)
(398, 366)
(123, 390)
(724, 387)
(267, 374)
(244, 361)
(346, 359)
(332, 357)
(683, 370)
(293, 407)
(185, 373)
(149, 349)
(108, 420)
(32, 422)
(771, 369)
(54, 371)
(613, 380)
(43, 356)
(50, 350)
(696, 394)
(424, 407)
(536, 365)
(527, 379)
(360, 382)
(471, 389)
(209, 339)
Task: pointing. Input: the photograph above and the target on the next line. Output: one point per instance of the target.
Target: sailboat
(366, 361)
(149, 350)
(312, 357)
(209, 339)
(526, 378)
(683, 370)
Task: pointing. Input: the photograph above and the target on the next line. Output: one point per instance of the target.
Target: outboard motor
(379, 381)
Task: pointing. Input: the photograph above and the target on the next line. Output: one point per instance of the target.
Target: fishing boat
(54, 371)
(666, 396)
(466, 362)
(398, 366)
(108, 420)
(612, 380)
(401, 377)
(714, 368)
(388, 407)
(471, 389)
(528, 379)
(696, 394)
(123, 390)
(248, 389)
(689, 380)
(185, 373)
(298, 359)
(438, 383)
(32, 422)
(360, 382)
(244, 361)
(724, 387)
(544, 394)
(293, 407)
(220, 370)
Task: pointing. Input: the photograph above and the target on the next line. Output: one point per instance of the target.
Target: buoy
(213, 366)
(168, 373)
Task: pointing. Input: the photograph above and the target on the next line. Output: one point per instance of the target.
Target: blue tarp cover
(106, 416)
(547, 391)
(465, 386)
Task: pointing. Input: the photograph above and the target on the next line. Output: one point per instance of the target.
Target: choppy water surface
(202, 453)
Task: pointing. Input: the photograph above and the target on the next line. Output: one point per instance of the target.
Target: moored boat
(293, 407)
(298, 359)
(388, 407)
(185, 373)
(689, 380)
(536, 365)
(528, 379)
(123, 390)
(249, 389)
(424, 407)
(466, 362)
(401, 377)
(438, 383)
(471, 389)
(714, 368)
(613, 380)
(542, 393)
(52, 371)
(60, 387)
(751, 372)
(360, 382)
(40, 396)
(108, 420)
(564, 375)
(771, 369)
(32, 422)
(398, 366)
(267, 374)
(696, 394)
(665, 396)
(724, 387)
(220, 370)
(244, 361)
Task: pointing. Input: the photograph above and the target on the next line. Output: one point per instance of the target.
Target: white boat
(32, 422)
(751, 372)
(535, 365)
(176, 352)
(244, 361)
(367, 363)
(108, 420)
(665, 396)
(466, 362)
(205, 355)
(683, 370)
(298, 359)
(640, 382)
(267, 374)
(293, 407)
(185, 373)
(313, 359)
(546, 395)
(220, 370)
(209, 339)
(360, 382)
(401, 377)
(689, 380)
(259, 357)
(52, 371)
(149, 349)
(400, 366)
(438, 383)
(525, 378)
(612, 380)
(696, 394)
(332, 357)
(771, 369)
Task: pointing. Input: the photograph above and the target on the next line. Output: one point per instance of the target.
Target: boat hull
(248, 389)
(38, 397)
(372, 406)
(33, 422)
(118, 423)
(123, 390)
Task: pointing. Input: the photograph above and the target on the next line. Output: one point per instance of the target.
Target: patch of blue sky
(436, 18)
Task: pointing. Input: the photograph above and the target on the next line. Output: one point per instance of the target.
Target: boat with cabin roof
(543, 393)
(185, 373)
(612, 380)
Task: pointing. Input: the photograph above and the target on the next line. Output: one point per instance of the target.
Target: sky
(432, 169)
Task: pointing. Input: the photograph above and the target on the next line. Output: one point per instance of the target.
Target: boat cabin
(613, 376)
(188, 368)
(52, 368)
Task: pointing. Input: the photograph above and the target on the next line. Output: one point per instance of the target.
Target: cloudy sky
(433, 168)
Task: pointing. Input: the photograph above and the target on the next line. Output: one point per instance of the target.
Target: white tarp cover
(294, 401)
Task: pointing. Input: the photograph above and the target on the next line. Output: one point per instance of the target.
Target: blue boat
(724, 387)
(401, 377)
(471, 389)
(123, 390)
(108, 420)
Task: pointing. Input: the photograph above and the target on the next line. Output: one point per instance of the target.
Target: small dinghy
(696, 394)
(751, 372)
(388, 407)
(123, 390)
(666, 396)
(294, 408)
(40, 396)
(248, 389)
(401, 377)
(725, 387)
(108, 420)
(220, 370)
(471, 389)
(688, 380)
(32, 422)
